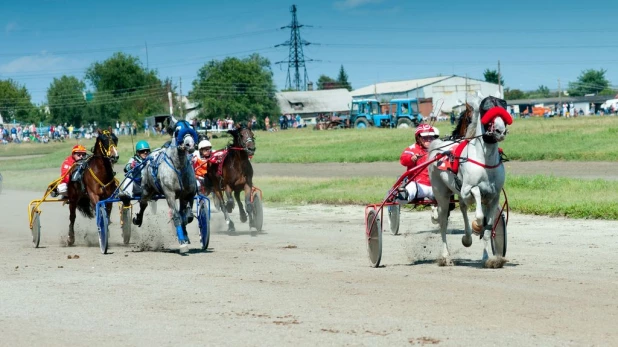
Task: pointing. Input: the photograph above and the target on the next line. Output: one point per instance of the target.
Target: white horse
(170, 173)
(480, 177)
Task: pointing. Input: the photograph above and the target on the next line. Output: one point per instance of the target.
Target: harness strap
(99, 181)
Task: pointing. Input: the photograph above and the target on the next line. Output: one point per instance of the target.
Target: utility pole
(296, 58)
(180, 102)
(559, 96)
(499, 80)
(146, 44)
(169, 96)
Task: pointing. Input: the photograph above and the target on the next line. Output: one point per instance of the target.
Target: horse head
(494, 119)
(188, 144)
(243, 138)
(106, 144)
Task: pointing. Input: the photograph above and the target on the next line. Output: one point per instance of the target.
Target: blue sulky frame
(202, 214)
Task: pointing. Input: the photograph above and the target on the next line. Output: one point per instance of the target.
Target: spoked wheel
(498, 243)
(125, 221)
(258, 212)
(394, 212)
(204, 224)
(36, 228)
(373, 232)
(102, 224)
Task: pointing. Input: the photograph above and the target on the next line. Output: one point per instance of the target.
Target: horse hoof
(189, 220)
(466, 240)
(137, 222)
(243, 218)
(476, 227)
(445, 262)
(184, 248)
(70, 240)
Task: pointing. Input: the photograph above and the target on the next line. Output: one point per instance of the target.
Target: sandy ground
(304, 281)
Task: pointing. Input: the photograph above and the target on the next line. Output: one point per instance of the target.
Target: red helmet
(78, 149)
(426, 130)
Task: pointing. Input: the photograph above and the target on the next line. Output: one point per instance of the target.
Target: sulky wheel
(102, 224)
(125, 221)
(36, 228)
(258, 212)
(373, 232)
(394, 212)
(203, 220)
(498, 243)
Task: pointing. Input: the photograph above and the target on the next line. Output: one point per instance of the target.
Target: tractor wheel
(404, 123)
(361, 123)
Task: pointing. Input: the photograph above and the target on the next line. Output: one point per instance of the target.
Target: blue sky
(537, 42)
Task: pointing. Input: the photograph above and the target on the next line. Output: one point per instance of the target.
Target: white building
(446, 91)
(308, 104)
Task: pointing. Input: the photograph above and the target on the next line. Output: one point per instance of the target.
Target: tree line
(120, 88)
(589, 81)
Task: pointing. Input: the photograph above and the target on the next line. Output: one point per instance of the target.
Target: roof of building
(314, 101)
(397, 86)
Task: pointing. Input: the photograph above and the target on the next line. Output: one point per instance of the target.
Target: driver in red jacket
(414, 155)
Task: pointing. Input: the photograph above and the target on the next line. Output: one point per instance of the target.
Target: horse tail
(84, 206)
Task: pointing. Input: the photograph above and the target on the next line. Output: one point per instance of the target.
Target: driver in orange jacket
(200, 162)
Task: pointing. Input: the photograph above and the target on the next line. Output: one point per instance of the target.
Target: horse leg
(443, 202)
(477, 223)
(249, 204)
(72, 208)
(228, 221)
(241, 209)
(229, 205)
(177, 219)
(491, 213)
(466, 240)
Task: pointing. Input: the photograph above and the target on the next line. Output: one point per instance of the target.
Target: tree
(65, 98)
(513, 94)
(15, 103)
(589, 82)
(124, 90)
(491, 76)
(325, 82)
(240, 88)
(342, 79)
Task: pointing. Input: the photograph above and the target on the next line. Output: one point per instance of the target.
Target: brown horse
(97, 182)
(234, 173)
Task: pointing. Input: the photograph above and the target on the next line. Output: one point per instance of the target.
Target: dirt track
(305, 280)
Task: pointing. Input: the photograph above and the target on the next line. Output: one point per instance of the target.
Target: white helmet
(204, 144)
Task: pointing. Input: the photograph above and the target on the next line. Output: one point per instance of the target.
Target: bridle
(107, 151)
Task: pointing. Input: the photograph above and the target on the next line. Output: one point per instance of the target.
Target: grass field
(581, 139)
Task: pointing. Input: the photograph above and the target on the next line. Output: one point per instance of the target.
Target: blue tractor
(400, 113)
(366, 113)
(406, 112)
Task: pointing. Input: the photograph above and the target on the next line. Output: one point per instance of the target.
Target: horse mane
(463, 122)
(472, 127)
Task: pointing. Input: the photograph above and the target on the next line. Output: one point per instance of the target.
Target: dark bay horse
(97, 181)
(234, 173)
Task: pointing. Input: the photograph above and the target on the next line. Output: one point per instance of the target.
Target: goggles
(143, 151)
(80, 154)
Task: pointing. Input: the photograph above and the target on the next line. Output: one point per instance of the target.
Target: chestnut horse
(234, 174)
(97, 180)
